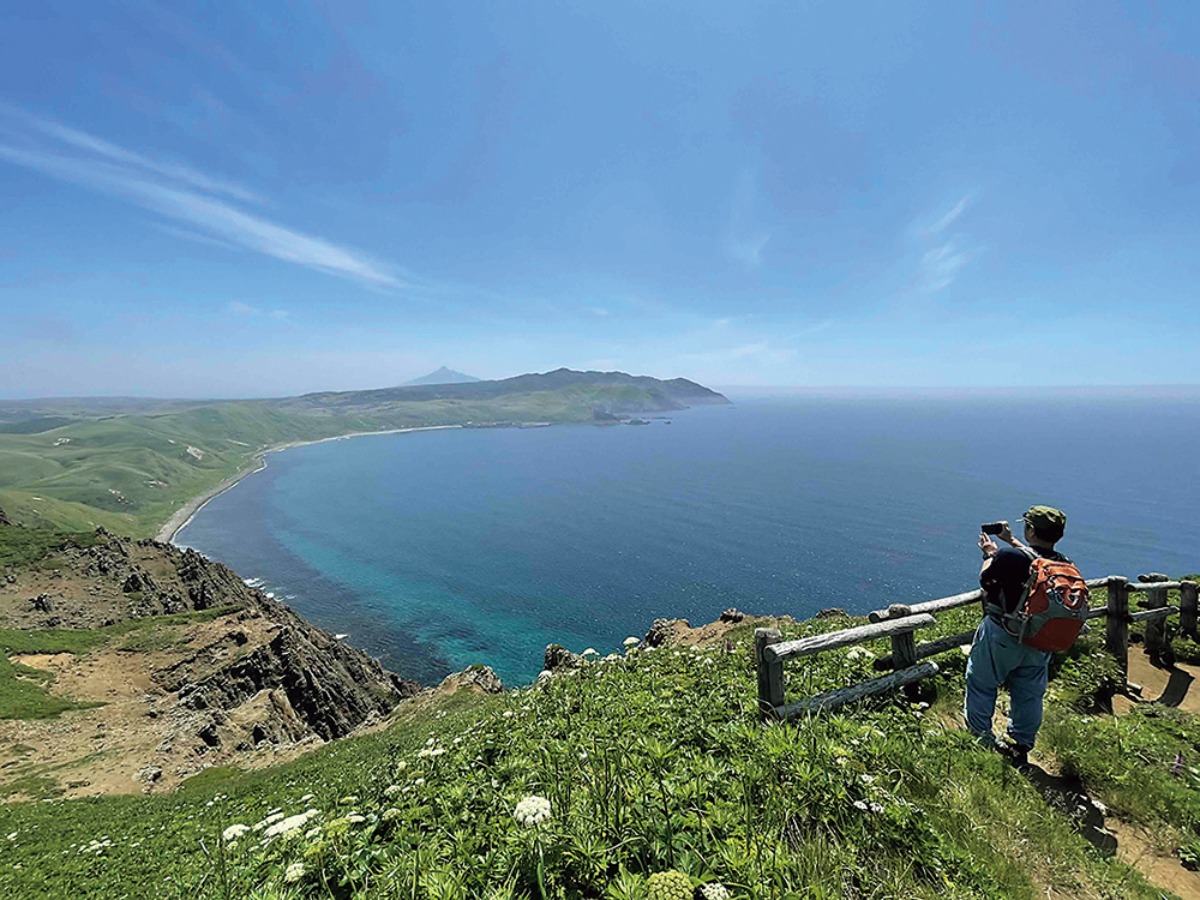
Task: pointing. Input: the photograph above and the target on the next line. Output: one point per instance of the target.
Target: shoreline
(184, 515)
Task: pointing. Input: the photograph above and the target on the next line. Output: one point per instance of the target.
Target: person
(998, 657)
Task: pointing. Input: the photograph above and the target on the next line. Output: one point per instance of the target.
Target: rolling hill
(128, 464)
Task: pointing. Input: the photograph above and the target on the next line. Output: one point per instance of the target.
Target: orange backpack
(1053, 605)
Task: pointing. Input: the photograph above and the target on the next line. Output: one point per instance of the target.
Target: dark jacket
(1004, 580)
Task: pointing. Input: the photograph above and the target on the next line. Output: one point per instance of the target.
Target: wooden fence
(900, 622)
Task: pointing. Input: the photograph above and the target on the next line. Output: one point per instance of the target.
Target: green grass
(22, 546)
(43, 781)
(23, 694)
(80, 640)
(652, 762)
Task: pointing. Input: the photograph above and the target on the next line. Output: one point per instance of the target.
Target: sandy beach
(184, 514)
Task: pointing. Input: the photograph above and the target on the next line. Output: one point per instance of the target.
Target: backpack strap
(997, 611)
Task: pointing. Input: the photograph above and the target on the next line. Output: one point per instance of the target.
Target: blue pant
(999, 658)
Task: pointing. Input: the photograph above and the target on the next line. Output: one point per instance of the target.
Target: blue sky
(227, 199)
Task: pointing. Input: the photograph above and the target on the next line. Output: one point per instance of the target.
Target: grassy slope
(130, 472)
(652, 762)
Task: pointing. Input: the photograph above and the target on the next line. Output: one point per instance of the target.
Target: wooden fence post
(1116, 634)
(904, 654)
(1155, 640)
(770, 673)
(1188, 591)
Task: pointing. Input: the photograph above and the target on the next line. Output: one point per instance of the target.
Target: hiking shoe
(1017, 754)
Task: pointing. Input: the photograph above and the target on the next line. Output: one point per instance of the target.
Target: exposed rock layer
(255, 678)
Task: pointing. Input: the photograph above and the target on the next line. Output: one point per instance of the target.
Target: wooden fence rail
(900, 621)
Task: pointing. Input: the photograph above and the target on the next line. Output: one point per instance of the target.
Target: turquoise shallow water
(438, 549)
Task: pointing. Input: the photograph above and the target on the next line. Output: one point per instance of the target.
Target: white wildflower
(291, 823)
(401, 766)
(391, 813)
(305, 799)
(294, 872)
(418, 781)
(861, 804)
(631, 642)
(349, 800)
(876, 807)
(355, 818)
(233, 832)
(391, 790)
(590, 651)
(533, 810)
(269, 820)
(314, 832)
(867, 779)
(714, 891)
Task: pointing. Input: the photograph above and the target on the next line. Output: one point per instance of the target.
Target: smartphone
(992, 527)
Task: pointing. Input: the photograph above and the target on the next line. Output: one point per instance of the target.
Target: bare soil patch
(1152, 858)
(1178, 686)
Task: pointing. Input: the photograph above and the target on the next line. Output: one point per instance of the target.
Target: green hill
(128, 465)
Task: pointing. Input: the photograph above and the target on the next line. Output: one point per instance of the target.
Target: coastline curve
(184, 515)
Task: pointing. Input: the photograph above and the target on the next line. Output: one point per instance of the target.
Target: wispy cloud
(177, 192)
(944, 252)
(951, 215)
(940, 265)
(239, 308)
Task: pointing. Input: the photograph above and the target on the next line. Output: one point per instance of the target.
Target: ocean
(435, 550)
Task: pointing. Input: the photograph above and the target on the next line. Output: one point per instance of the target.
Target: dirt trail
(1137, 848)
(1180, 687)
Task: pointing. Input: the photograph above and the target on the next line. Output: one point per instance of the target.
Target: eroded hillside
(133, 665)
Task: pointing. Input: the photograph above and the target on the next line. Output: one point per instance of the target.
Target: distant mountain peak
(444, 376)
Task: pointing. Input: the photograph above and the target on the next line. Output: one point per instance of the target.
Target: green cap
(1046, 517)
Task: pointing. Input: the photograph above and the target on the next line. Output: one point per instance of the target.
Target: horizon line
(746, 388)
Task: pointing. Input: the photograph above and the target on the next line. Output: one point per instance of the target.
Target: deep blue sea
(434, 550)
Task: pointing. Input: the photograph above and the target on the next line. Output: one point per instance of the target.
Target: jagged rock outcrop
(558, 657)
(662, 630)
(256, 675)
(477, 678)
(5, 520)
(332, 688)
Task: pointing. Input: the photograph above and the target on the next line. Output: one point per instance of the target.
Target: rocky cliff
(193, 667)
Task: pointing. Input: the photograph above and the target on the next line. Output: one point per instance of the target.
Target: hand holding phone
(993, 527)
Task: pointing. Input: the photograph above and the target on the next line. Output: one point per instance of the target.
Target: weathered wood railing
(900, 621)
